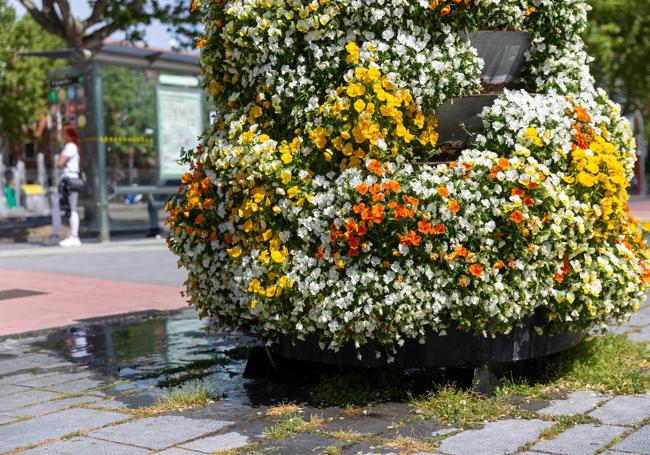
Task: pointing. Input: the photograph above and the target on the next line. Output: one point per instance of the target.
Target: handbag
(74, 184)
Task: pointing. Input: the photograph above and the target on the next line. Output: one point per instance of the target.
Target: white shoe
(70, 242)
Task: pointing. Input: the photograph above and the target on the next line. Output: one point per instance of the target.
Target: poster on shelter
(180, 122)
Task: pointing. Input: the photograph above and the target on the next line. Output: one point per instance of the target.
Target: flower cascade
(308, 209)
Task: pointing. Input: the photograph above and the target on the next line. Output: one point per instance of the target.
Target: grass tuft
(409, 446)
(608, 364)
(563, 423)
(466, 409)
(291, 424)
(179, 400)
(282, 409)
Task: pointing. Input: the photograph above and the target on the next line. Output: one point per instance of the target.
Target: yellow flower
(355, 90)
(373, 74)
(586, 179)
(277, 256)
(293, 192)
(286, 158)
(359, 105)
(234, 252)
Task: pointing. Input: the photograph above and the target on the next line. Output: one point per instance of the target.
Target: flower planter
(455, 349)
(503, 53)
(458, 118)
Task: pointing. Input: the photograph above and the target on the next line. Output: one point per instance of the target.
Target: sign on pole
(180, 123)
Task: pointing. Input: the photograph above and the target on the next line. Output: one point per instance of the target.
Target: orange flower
(319, 253)
(528, 201)
(443, 191)
(464, 281)
(439, 229)
(460, 251)
(517, 216)
(454, 206)
(374, 189)
(375, 167)
(362, 189)
(476, 270)
(410, 238)
(503, 163)
(411, 200)
(499, 265)
(201, 43)
(199, 220)
(517, 192)
(425, 227)
(394, 186)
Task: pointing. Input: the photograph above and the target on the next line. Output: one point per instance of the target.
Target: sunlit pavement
(52, 287)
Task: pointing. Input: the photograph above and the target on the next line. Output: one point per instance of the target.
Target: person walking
(69, 172)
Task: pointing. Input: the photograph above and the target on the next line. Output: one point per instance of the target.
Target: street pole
(101, 180)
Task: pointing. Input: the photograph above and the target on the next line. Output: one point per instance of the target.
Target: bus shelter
(136, 109)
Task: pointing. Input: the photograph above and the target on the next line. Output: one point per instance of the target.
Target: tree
(108, 17)
(618, 39)
(23, 80)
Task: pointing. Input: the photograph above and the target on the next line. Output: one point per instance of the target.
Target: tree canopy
(107, 17)
(23, 80)
(618, 37)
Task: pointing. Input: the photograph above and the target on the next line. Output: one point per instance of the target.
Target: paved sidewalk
(51, 287)
(56, 397)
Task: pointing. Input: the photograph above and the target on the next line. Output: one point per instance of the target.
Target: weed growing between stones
(178, 400)
(291, 423)
(450, 405)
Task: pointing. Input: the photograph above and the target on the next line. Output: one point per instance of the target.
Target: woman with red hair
(69, 169)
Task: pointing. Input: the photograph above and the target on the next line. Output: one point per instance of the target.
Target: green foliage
(617, 37)
(23, 80)
(289, 424)
(463, 408)
(609, 363)
(129, 103)
(107, 17)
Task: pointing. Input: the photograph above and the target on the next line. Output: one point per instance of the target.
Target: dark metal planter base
(455, 349)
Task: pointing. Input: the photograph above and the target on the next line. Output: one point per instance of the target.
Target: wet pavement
(86, 389)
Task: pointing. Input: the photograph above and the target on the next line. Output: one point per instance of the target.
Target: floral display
(315, 205)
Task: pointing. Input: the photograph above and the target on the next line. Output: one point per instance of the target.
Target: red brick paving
(71, 298)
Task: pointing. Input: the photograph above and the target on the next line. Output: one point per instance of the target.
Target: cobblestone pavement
(57, 400)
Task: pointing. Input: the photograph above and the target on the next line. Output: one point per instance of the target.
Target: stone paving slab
(159, 432)
(79, 386)
(53, 379)
(503, 436)
(376, 420)
(52, 406)
(177, 451)
(226, 441)
(419, 429)
(578, 402)
(6, 419)
(638, 442)
(368, 449)
(51, 426)
(640, 337)
(19, 400)
(624, 410)
(20, 378)
(89, 446)
(580, 440)
(8, 389)
(300, 444)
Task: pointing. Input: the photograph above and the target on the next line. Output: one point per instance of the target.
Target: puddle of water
(178, 351)
(168, 352)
